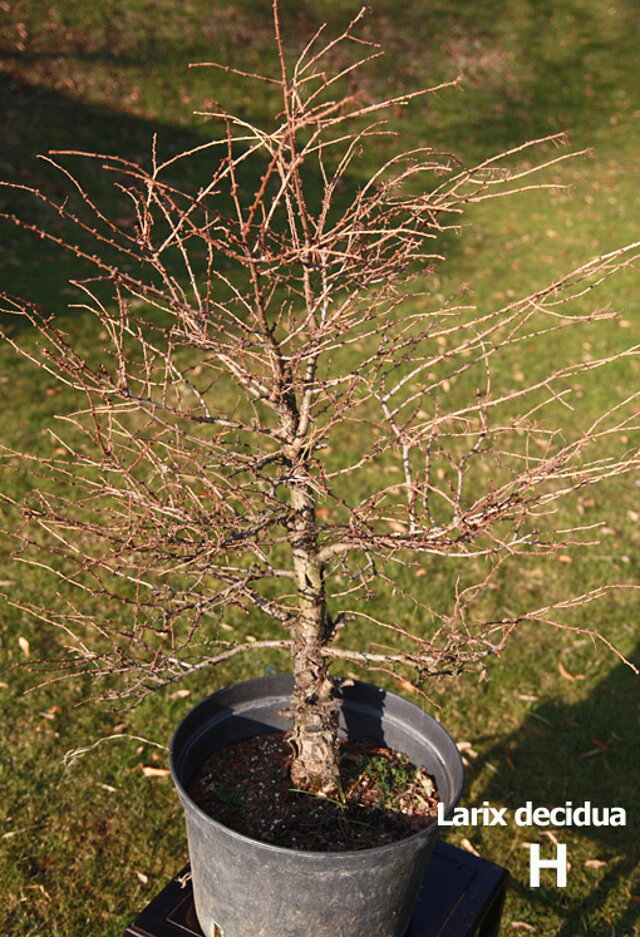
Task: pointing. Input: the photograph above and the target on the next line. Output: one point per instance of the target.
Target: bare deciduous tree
(283, 415)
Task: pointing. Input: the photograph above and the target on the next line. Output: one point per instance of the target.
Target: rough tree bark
(313, 706)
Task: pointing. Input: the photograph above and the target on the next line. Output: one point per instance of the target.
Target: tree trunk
(313, 706)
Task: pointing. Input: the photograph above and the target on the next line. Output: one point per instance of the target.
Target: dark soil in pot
(382, 796)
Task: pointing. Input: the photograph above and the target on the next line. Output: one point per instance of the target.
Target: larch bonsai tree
(283, 416)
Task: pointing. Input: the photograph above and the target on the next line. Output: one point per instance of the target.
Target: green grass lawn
(83, 848)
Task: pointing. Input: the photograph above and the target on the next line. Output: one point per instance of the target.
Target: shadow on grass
(580, 752)
(533, 68)
(38, 120)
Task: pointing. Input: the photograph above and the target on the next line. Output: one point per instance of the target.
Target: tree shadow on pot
(585, 751)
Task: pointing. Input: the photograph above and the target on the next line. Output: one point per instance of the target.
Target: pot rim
(305, 854)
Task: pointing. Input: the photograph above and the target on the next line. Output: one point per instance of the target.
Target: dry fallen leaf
(569, 676)
(39, 888)
(25, 647)
(594, 863)
(591, 753)
(47, 715)
(150, 772)
(143, 878)
(180, 694)
(466, 844)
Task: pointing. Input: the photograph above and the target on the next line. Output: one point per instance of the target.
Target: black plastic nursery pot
(246, 888)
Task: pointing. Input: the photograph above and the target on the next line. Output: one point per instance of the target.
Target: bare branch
(281, 415)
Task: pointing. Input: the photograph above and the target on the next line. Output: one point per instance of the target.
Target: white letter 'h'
(536, 863)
